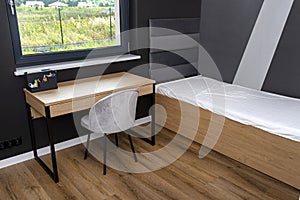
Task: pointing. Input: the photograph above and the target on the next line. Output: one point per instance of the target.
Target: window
(49, 31)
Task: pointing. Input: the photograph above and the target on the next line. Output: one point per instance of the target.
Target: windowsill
(76, 64)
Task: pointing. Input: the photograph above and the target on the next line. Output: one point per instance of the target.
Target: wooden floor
(214, 177)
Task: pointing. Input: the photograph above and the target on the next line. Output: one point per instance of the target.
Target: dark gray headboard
(173, 54)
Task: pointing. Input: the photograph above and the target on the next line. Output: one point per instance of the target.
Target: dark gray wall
(13, 113)
(284, 73)
(226, 26)
(12, 118)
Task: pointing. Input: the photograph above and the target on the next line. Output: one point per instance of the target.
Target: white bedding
(273, 113)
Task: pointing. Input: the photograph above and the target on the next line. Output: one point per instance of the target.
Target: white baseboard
(44, 151)
(60, 146)
(143, 120)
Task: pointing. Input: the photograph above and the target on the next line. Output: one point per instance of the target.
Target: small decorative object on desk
(40, 81)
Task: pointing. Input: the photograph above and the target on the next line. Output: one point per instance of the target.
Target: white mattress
(273, 113)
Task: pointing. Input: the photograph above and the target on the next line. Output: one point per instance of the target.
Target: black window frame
(73, 55)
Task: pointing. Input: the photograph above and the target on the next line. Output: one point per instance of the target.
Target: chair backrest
(114, 113)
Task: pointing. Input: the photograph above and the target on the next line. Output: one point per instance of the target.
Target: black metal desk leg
(54, 173)
(51, 143)
(153, 118)
(31, 130)
(150, 140)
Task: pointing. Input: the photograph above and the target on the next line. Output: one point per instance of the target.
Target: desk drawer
(86, 103)
(144, 90)
(75, 105)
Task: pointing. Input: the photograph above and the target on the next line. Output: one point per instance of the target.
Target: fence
(52, 28)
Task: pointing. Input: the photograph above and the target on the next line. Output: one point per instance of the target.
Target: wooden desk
(73, 96)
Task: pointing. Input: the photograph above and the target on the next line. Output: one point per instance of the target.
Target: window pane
(53, 26)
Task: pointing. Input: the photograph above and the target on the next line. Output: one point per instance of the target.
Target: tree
(72, 2)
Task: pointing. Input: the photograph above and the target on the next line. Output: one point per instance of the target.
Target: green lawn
(81, 28)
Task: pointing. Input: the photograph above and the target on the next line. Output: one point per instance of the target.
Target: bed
(261, 130)
(256, 128)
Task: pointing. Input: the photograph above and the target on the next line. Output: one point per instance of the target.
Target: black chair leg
(132, 148)
(116, 139)
(104, 155)
(87, 146)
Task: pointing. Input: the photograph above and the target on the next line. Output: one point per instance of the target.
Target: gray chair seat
(85, 123)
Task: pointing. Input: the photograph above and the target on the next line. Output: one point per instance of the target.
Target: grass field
(40, 29)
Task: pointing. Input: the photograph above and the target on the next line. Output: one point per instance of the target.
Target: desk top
(86, 87)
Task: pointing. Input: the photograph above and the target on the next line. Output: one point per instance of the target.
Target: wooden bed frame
(273, 155)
